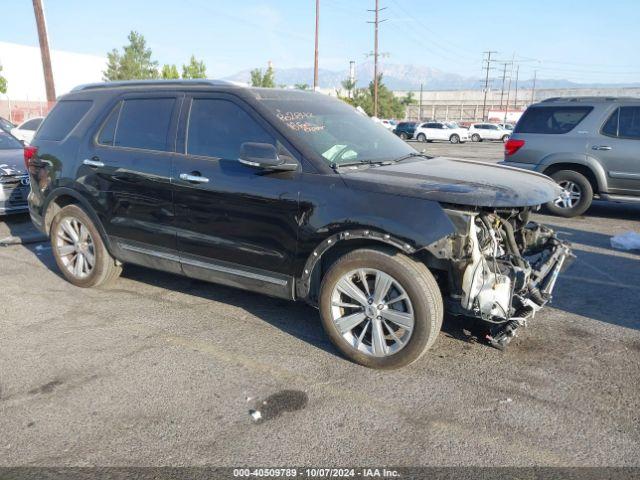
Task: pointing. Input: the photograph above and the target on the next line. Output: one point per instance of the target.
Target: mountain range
(409, 77)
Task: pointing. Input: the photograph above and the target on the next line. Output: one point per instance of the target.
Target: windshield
(335, 131)
(9, 142)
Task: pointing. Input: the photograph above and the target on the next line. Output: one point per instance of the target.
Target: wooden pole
(44, 51)
(315, 61)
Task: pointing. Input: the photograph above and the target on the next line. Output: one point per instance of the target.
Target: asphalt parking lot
(163, 370)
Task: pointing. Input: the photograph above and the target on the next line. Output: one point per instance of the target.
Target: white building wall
(22, 67)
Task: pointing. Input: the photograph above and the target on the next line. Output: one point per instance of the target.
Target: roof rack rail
(588, 99)
(156, 83)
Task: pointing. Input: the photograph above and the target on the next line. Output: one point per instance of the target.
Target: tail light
(29, 152)
(512, 146)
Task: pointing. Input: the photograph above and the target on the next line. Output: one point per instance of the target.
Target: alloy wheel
(570, 196)
(372, 312)
(75, 247)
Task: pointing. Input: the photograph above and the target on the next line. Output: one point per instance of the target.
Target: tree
(3, 82)
(169, 72)
(389, 106)
(408, 99)
(195, 69)
(266, 79)
(349, 85)
(302, 86)
(134, 63)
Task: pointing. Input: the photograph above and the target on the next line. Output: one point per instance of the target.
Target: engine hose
(511, 243)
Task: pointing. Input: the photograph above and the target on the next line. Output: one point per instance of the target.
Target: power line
(486, 80)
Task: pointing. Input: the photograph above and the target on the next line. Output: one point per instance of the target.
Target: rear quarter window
(63, 118)
(551, 120)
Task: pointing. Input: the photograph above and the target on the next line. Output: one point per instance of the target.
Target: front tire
(454, 138)
(79, 250)
(577, 194)
(404, 136)
(421, 137)
(505, 138)
(380, 308)
(475, 138)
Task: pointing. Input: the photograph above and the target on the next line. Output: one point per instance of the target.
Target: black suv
(295, 195)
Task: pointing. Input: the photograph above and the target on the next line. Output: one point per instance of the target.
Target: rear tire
(577, 197)
(79, 250)
(419, 308)
(505, 138)
(454, 138)
(475, 138)
(404, 136)
(421, 137)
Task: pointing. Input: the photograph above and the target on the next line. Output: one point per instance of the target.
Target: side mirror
(263, 155)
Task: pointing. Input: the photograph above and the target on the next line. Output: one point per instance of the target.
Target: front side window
(144, 123)
(63, 118)
(551, 120)
(217, 128)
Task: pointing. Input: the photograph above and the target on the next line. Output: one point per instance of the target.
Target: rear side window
(551, 120)
(31, 125)
(141, 123)
(623, 123)
(63, 118)
(217, 128)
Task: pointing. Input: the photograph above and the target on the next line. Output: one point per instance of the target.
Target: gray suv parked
(588, 145)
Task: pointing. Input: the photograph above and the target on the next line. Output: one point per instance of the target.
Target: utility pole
(315, 59)
(44, 51)
(506, 108)
(533, 89)
(376, 23)
(352, 77)
(420, 106)
(486, 82)
(504, 76)
(515, 99)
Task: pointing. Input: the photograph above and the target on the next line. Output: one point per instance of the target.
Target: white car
(488, 131)
(27, 129)
(506, 126)
(427, 132)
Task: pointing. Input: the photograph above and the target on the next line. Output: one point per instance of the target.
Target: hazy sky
(583, 41)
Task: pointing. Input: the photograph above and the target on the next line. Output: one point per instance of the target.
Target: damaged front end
(502, 268)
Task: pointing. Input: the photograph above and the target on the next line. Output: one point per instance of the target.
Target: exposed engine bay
(503, 268)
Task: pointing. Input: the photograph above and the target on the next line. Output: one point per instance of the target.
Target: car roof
(587, 100)
(156, 83)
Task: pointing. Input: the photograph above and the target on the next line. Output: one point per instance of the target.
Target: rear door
(236, 224)
(617, 146)
(128, 166)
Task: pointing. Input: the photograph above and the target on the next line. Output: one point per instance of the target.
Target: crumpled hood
(457, 181)
(12, 162)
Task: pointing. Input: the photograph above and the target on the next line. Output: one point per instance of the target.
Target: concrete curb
(26, 240)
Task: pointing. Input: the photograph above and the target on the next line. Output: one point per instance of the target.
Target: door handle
(93, 163)
(601, 147)
(193, 178)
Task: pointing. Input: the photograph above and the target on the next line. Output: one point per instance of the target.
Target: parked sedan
(427, 132)
(26, 130)
(488, 131)
(14, 181)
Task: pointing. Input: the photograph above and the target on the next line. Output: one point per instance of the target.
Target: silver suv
(588, 145)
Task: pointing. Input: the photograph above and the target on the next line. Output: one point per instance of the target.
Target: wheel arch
(62, 197)
(332, 248)
(594, 178)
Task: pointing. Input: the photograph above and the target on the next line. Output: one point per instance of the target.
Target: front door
(617, 146)
(128, 167)
(236, 224)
